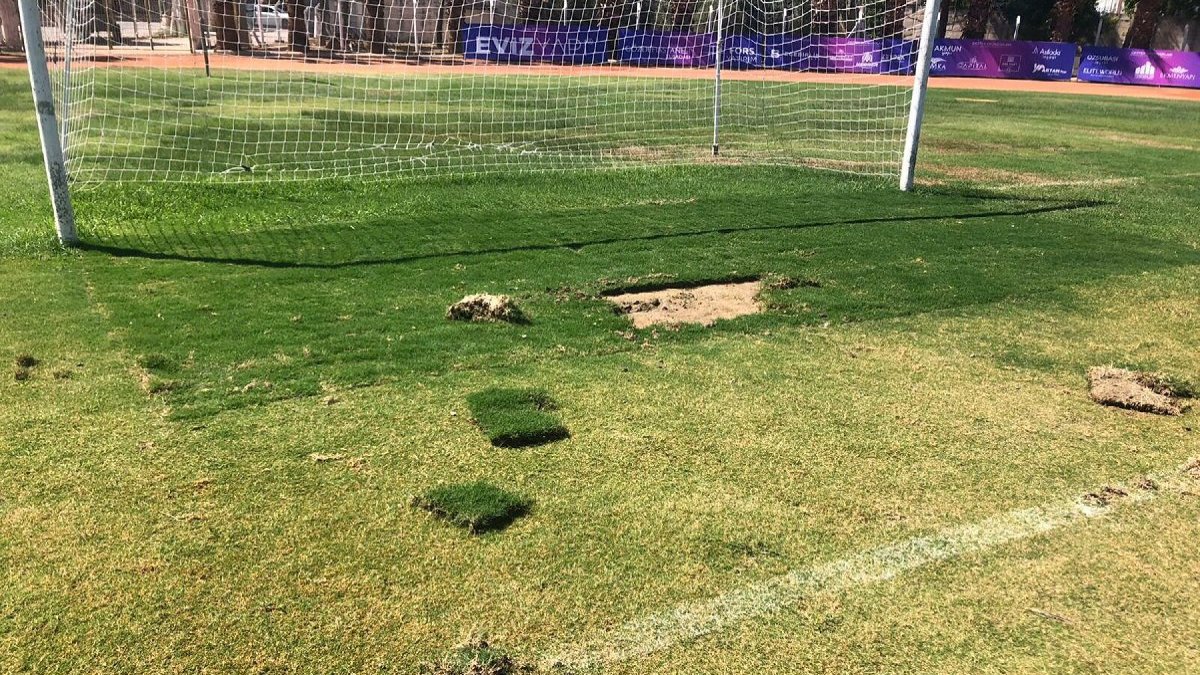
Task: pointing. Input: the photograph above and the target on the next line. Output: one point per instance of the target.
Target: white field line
(694, 619)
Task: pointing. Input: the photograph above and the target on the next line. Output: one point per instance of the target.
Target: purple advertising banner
(1140, 66)
(839, 55)
(1002, 59)
(560, 43)
(783, 52)
(655, 48)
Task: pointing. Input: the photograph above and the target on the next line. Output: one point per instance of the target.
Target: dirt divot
(477, 657)
(485, 307)
(1132, 390)
(704, 305)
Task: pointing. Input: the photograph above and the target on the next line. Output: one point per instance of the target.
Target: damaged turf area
(1134, 390)
(704, 304)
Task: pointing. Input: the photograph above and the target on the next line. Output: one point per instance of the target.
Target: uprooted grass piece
(485, 307)
(515, 418)
(477, 657)
(24, 364)
(1133, 390)
(479, 507)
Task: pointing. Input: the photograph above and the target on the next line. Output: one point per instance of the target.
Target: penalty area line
(695, 619)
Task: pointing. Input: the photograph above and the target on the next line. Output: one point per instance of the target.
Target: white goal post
(149, 91)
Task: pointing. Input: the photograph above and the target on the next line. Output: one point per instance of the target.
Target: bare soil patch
(1133, 390)
(703, 305)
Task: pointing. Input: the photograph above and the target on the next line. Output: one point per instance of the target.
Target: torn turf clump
(485, 307)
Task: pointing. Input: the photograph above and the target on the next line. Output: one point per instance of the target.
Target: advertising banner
(656, 48)
(1140, 66)
(741, 53)
(560, 43)
(839, 55)
(686, 50)
(1002, 59)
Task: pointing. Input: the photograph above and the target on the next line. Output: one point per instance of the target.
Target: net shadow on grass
(309, 244)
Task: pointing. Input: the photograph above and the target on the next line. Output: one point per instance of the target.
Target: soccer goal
(213, 90)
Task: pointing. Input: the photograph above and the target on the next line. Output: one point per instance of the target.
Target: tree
(682, 13)
(1039, 20)
(1145, 23)
(1062, 20)
(893, 19)
(375, 26)
(230, 26)
(297, 25)
(824, 17)
(175, 18)
(978, 14)
(10, 20)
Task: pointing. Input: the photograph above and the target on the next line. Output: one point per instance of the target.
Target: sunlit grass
(933, 378)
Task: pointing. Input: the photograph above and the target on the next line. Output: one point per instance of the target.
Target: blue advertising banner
(741, 53)
(1140, 66)
(560, 43)
(1002, 59)
(687, 50)
(655, 48)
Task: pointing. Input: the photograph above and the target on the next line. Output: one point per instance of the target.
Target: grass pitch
(479, 507)
(514, 418)
(933, 379)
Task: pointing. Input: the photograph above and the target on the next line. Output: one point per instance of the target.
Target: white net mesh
(187, 90)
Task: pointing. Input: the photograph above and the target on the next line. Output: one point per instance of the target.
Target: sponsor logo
(680, 54)
(867, 57)
(974, 65)
(1179, 73)
(1146, 71)
(1049, 70)
(938, 63)
(1010, 63)
(515, 46)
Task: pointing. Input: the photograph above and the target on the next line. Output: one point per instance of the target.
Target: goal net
(214, 90)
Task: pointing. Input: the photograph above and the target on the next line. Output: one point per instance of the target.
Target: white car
(267, 17)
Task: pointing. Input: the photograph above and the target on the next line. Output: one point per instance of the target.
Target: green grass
(934, 378)
(516, 418)
(479, 507)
